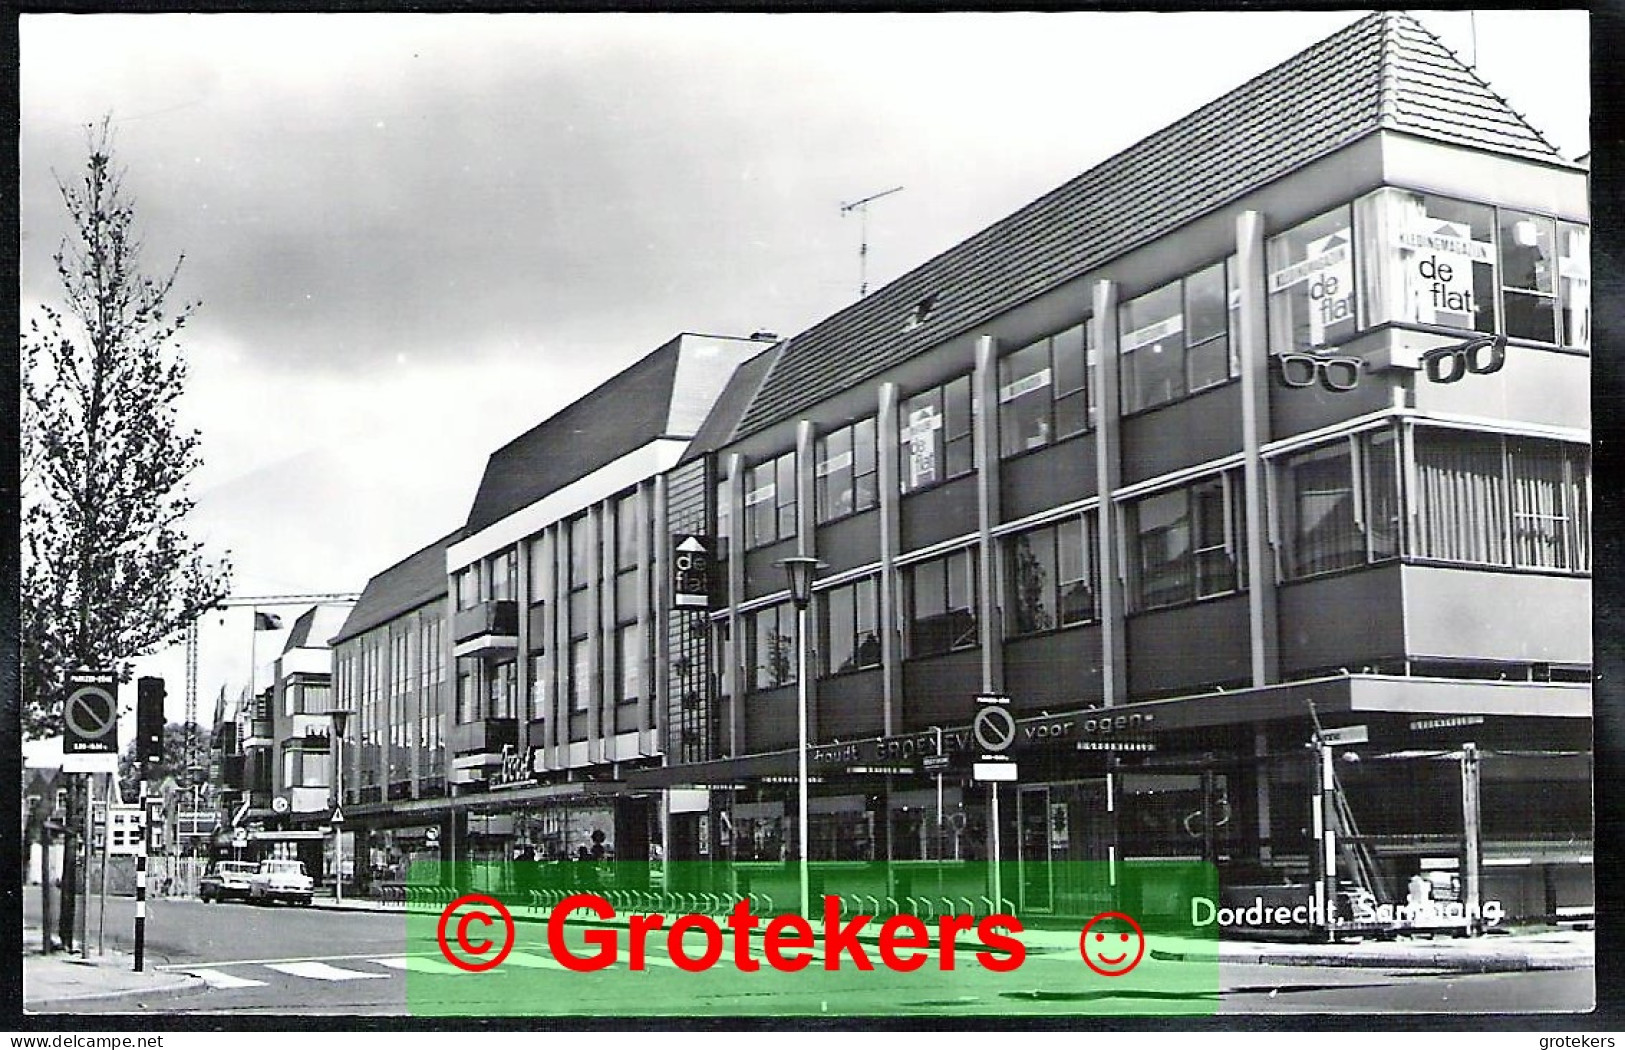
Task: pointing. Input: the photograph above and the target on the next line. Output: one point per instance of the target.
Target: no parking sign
(90, 723)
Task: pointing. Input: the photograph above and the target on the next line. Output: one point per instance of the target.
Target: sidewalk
(52, 983)
(1546, 949)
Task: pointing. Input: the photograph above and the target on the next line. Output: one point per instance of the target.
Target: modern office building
(543, 609)
(1276, 422)
(390, 662)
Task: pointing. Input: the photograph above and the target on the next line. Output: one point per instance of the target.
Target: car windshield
(232, 867)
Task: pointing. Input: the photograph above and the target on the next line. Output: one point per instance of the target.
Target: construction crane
(862, 208)
(253, 601)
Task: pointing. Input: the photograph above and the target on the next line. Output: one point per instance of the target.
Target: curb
(1394, 960)
(185, 983)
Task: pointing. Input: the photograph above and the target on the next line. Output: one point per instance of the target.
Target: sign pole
(141, 877)
(998, 881)
(87, 787)
(107, 835)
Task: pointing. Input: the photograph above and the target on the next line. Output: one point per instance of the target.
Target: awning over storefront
(1343, 695)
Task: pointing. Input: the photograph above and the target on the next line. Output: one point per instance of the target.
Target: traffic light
(149, 719)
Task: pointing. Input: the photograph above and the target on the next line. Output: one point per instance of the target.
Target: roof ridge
(1412, 22)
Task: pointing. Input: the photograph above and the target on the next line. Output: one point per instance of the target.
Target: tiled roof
(1384, 71)
(416, 580)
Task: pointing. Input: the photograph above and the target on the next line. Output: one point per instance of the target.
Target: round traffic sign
(90, 713)
(995, 729)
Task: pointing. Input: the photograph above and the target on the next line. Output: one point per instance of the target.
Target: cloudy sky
(415, 236)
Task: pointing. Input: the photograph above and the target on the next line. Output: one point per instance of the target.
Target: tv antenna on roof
(862, 208)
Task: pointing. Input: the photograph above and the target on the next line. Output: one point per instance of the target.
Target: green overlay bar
(522, 939)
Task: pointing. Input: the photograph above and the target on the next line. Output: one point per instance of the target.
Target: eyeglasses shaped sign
(1480, 356)
(1337, 374)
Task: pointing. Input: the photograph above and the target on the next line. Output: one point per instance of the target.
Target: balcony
(487, 628)
(486, 737)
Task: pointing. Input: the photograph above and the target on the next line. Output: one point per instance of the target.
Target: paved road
(266, 960)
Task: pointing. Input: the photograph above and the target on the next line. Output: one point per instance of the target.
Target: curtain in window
(1463, 499)
(1325, 535)
(1542, 525)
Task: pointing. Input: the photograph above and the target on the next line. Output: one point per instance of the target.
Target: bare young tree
(108, 572)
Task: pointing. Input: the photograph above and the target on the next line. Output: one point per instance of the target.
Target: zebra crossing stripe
(219, 979)
(418, 964)
(323, 972)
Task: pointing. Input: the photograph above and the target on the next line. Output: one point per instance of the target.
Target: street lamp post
(800, 571)
(340, 720)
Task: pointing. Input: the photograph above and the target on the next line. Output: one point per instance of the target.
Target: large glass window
(844, 476)
(942, 604)
(505, 576)
(1529, 276)
(1491, 500)
(1042, 392)
(1340, 505)
(770, 501)
(1188, 542)
(771, 646)
(629, 662)
(1049, 576)
(935, 428)
(1176, 340)
(1435, 263)
(580, 675)
(850, 626)
(1311, 284)
(1574, 283)
(468, 587)
(503, 686)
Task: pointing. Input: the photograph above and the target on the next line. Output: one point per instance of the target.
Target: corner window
(1574, 284)
(770, 501)
(850, 626)
(1311, 284)
(942, 604)
(1042, 392)
(1529, 276)
(1188, 542)
(1176, 340)
(770, 642)
(1486, 499)
(844, 475)
(1050, 580)
(934, 435)
(1433, 260)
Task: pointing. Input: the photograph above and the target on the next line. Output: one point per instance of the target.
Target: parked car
(227, 879)
(280, 880)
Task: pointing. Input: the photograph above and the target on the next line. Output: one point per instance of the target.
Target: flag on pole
(264, 621)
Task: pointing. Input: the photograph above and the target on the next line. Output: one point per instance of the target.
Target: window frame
(825, 476)
(1058, 587)
(970, 637)
(780, 497)
(1175, 327)
(946, 437)
(1232, 529)
(860, 595)
(784, 625)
